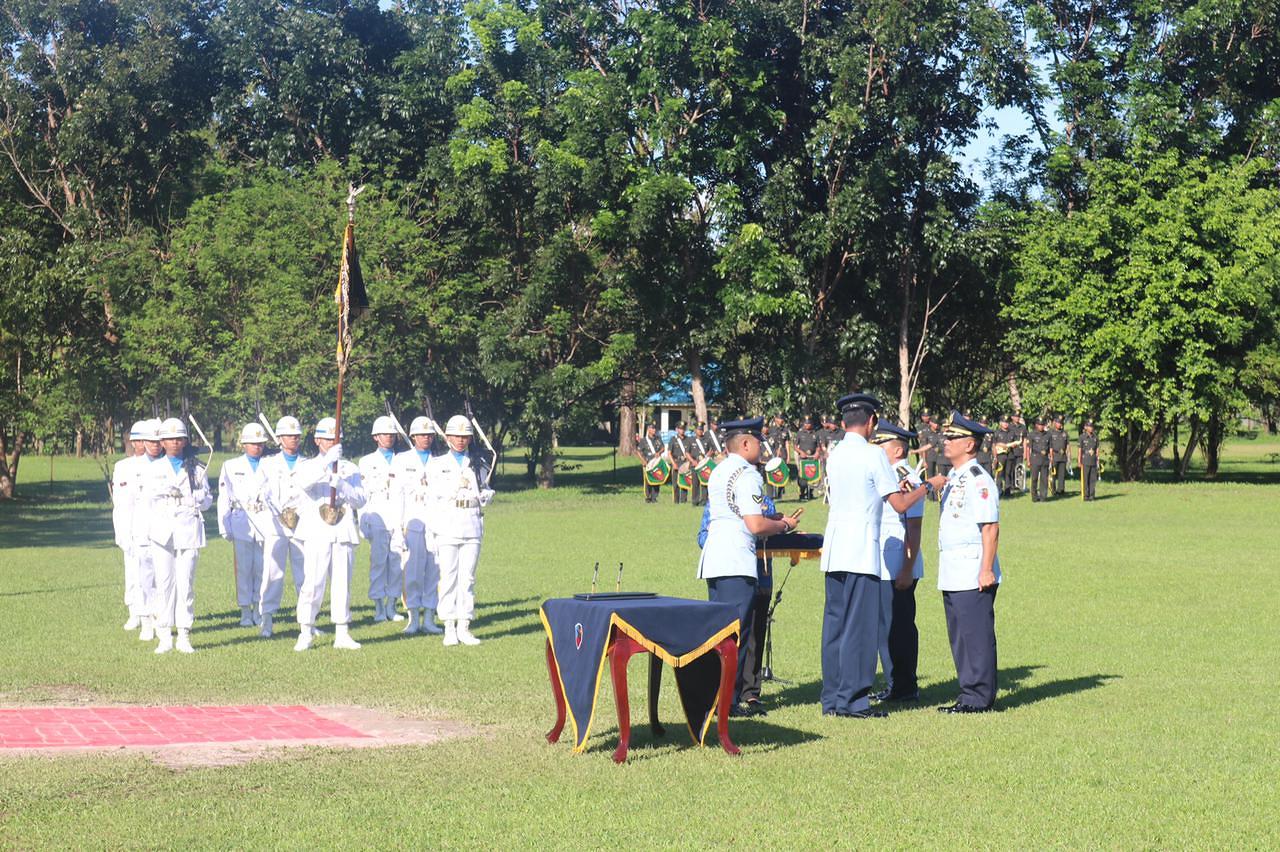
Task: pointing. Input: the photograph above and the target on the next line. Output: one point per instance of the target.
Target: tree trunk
(79, 442)
(9, 465)
(1192, 440)
(543, 454)
(1015, 395)
(1213, 445)
(695, 386)
(905, 281)
(627, 419)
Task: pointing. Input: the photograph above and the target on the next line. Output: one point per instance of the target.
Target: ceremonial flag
(351, 297)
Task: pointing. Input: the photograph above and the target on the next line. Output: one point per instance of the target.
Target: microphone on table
(619, 577)
(594, 575)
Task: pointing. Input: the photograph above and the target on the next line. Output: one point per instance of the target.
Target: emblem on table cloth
(577, 636)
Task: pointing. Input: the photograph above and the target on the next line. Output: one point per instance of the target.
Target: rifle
(466, 404)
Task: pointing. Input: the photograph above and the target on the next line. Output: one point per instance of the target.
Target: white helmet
(253, 433)
(458, 425)
(288, 426)
(384, 425)
(327, 428)
(152, 432)
(420, 426)
(142, 430)
(173, 428)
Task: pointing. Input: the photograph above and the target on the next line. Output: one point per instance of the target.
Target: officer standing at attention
(697, 449)
(379, 518)
(941, 466)
(901, 568)
(986, 450)
(677, 454)
(1003, 455)
(924, 445)
(781, 437)
(287, 502)
(968, 567)
(329, 537)
(1059, 446)
(807, 447)
(175, 492)
(1038, 453)
(648, 448)
(128, 521)
(861, 482)
(413, 539)
(242, 515)
(1087, 460)
(459, 485)
(735, 511)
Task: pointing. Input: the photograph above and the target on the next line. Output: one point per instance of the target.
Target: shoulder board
(975, 470)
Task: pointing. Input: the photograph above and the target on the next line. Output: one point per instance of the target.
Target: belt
(467, 504)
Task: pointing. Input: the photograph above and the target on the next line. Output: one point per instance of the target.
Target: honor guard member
(968, 567)
(458, 481)
(243, 515)
(678, 455)
(329, 537)
(648, 448)
(380, 518)
(861, 482)
(808, 446)
(1087, 460)
(901, 568)
(1038, 453)
(735, 512)
(414, 542)
(1059, 446)
(175, 492)
(128, 521)
(281, 547)
(769, 450)
(698, 448)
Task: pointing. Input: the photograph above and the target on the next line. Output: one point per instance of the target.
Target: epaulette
(976, 470)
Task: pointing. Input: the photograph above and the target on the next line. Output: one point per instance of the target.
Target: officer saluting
(968, 568)
(736, 517)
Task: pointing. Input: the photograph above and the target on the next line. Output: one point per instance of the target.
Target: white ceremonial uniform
(128, 518)
(421, 575)
(330, 549)
(970, 497)
(734, 491)
(859, 478)
(893, 536)
(281, 544)
(457, 524)
(244, 518)
(379, 518)
(173, 500)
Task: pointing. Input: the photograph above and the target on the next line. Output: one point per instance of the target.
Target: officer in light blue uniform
(901, 568)
(860, 482)
(736, 515)
(968, 567)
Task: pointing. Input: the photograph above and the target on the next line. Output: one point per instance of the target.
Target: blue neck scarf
(176, 462)
(289, 460)
(387, 454)
(423, 455)
(460, 458)
(253, 462)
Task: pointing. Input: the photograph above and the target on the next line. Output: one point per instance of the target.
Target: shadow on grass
(746, 733)
(1020, 697)
(58, 590)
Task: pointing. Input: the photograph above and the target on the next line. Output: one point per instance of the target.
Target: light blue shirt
(734, 491)
(289, 460)
(253, 462)
(969, 499)
(858, 479)
(893, 530)
(175, 462)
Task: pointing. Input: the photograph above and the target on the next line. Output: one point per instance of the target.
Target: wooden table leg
(557, 692)
(728, 651)
(655, 686)
(620, 652)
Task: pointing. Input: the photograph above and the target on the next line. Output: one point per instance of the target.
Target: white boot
(134, 622)
(413, 622)
(379, 612)
(450, 633)
(464, 634)
(257, 617)
(428, 623)
(342, 639)
(246, 616)
(305, 638)
(315, 629)
(148, 631)
(267, 627)
(391, 610)
(166, 640)
(184, 642)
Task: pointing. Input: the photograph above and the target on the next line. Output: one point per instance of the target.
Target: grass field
(1139, 650)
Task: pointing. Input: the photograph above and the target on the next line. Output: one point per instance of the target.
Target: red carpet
(105, 727)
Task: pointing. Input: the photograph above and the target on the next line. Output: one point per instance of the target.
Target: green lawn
(1139, 652)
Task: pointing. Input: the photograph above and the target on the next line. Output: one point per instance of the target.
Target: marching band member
(128, 522)
(329, 537)
(413, 541)
(175, 492)
(242, 515)
(699, 452)
(458, 484)
(379, 518)
(678, 455)
(286, 500)
(649, 447)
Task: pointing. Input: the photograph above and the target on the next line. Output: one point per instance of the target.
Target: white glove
(397, 541)
(332, 454)
(335, 481)
(486, 496)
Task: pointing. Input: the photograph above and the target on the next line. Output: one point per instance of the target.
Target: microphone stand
(766, 671)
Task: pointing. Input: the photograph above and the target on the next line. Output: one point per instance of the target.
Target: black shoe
(739, 711)
(904, 697)
(755, 707)
(965, 708)
(877, 697)
(859, 714)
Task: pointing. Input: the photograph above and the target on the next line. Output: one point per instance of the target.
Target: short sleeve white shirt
(859, 477)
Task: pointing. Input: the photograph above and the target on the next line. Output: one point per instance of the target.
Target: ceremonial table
(697, 638)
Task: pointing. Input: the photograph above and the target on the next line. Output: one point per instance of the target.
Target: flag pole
(344, 320)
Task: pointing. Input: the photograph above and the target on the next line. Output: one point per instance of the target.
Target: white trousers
(139, 580)
(886, 618)
(325, 559)
(175, 586)
(248, 569)
(421, 575)
(384, 567)
(457, 560)
(275, 551)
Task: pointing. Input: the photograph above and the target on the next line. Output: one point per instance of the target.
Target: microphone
(594, 575)
(619, 577)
